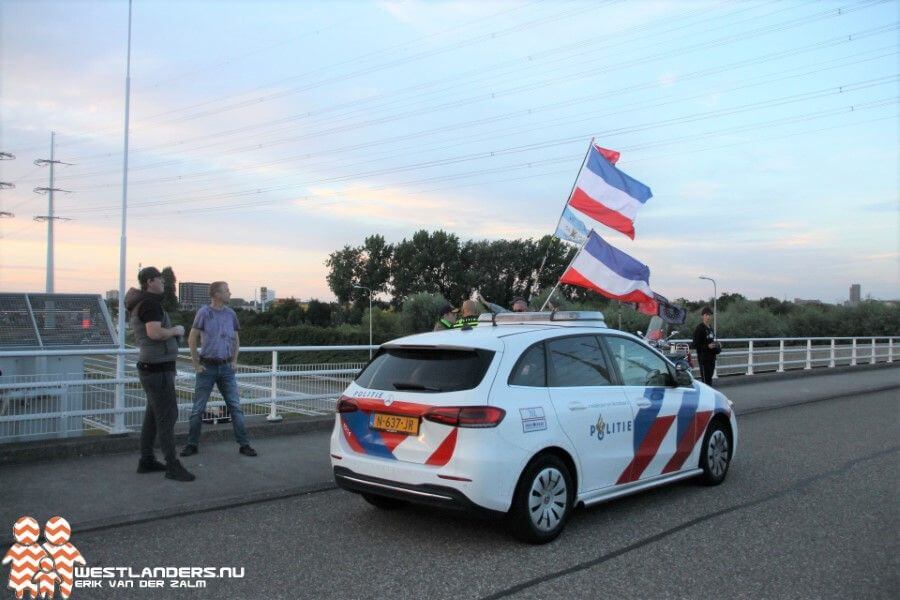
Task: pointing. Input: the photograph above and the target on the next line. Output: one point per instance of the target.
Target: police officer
(448, 317)
(468, 316)
(706, 345)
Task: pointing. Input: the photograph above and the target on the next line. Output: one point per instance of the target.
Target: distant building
(266, 297)
(192, 295)
(855, 294)
(112, 295)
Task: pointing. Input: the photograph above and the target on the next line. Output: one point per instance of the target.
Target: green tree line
(410, 280)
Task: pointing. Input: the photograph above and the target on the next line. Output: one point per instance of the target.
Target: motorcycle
(657, 338)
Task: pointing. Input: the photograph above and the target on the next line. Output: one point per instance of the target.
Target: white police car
(527, 414)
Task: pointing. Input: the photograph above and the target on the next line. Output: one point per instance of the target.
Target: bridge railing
(748, 356)
(76, 392)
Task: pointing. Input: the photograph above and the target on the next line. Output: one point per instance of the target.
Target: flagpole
(563, 211)
(555, 287)
(575, 183)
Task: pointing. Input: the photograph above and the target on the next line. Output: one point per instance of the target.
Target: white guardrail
(76, 392)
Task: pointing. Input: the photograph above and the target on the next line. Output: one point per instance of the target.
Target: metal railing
(80, 397)
(749, 356)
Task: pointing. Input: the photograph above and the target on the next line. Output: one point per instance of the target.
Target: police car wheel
(542, 502)
(715, 454)
(383, 502)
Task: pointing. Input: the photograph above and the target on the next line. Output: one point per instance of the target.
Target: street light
(715, 297)
(362, 287)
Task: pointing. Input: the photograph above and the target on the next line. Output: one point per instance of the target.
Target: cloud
(397, 207)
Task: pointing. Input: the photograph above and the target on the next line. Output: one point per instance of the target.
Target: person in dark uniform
(707, 346)
(157, 340)
(448, 318)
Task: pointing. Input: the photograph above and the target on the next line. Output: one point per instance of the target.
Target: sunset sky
(265, 135)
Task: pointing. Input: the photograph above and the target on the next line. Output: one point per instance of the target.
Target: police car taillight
(346, 405)
(466, 416)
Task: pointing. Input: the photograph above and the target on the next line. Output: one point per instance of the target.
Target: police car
(528, 415)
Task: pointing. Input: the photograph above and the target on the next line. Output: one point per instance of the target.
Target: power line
(324, 68)
(331, 198)
(524, 64)
(156, 203)
(481, 134)
(360, 124)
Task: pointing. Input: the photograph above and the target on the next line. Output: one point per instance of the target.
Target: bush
(385, 324)
(420, 312)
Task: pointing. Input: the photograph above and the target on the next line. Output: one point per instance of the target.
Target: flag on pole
(571, 227)
(610, 155)
(606, 195)
(609, 271)
(661, 307)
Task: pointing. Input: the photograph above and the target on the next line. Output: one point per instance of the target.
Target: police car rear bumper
(426, 494)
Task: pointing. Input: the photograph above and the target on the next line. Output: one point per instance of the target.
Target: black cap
(519, 299)
(448, 308)
(146, 274)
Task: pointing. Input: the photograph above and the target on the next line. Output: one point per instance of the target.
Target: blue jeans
(222, 376)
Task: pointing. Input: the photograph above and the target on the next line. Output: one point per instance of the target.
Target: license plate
(395, 423)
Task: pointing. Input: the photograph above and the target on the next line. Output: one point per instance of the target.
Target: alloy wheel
(547, 499)
(717, 453)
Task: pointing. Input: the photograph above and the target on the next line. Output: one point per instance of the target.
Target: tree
(169, 301)
(343, 271)
(775, 306)
(428, 263)
(726, 300)
(374, 266)
(318, 313)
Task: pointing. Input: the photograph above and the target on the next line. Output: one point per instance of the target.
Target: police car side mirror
(683, 375)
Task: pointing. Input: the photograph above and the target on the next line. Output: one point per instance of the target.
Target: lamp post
(715, 297)
(362, 287)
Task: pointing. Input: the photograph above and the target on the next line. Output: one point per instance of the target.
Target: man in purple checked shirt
(216, 328)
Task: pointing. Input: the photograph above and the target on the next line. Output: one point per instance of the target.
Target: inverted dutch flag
(606, 195)
(609, 271)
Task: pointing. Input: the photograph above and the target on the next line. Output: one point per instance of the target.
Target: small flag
(571, 228)
(606, 195)
(610, 155)
(661, 307)
(610, 272)
(669, 312)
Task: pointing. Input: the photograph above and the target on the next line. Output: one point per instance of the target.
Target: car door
(591, 409)
(664, 414)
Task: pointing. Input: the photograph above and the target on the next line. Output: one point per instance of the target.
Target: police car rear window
(428, 370)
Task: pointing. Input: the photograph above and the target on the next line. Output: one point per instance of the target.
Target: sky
(265, 135)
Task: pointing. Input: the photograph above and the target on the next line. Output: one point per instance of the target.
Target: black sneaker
(189, 450)
(150, 466)
(177, 472)
(247, 450)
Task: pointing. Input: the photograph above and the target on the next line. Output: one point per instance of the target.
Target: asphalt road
(809, 510)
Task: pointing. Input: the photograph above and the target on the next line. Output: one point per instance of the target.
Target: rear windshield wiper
(407, 385)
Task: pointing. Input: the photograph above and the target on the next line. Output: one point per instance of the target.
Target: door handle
(576, 406)
(642, 403)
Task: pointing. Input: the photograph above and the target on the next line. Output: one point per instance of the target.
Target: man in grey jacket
(157, 341)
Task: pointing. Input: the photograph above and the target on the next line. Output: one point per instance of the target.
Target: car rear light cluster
(346, 405)
(466, 416)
